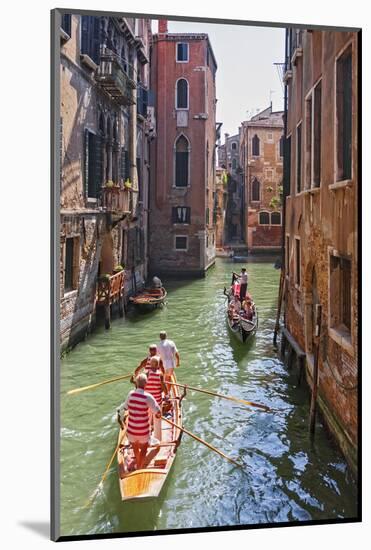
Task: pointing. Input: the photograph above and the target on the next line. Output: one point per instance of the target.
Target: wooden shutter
(86, 162)
(97, 164)
(181, 169)
(66, 23)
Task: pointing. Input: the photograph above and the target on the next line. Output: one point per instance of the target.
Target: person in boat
(156, 285)
(152, 352)
(234, 306)
(136, 409)
(248, 309)
(156, 386)
(169, 354)
(243, 278)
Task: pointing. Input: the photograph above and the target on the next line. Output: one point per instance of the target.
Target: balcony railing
(111, 288)
(112, 76)
(116, 199)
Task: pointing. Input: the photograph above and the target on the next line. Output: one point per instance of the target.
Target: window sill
(64, 35)
(342, 337)
(91, 200)
(311, 191)
(88, 62)
(69, 294)
(340, 185)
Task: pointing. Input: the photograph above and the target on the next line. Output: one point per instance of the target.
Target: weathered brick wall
(266, 236)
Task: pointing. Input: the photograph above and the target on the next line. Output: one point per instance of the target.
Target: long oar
(92, 386)
(203, 442)
(229, 397)
(100, 485)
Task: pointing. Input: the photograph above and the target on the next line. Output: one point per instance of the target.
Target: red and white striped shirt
(137, 403)
(154, 386)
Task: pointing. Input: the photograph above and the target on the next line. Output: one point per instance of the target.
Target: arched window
(264, 218)
(182, 162)
(276, 218)
(234, 164)
(255, 190)
(234, 145)
(255, 146)
(181, 101)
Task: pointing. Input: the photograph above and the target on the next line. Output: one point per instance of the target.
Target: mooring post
(107, 315)
(121, 306)
(280, 297)
(313, 403)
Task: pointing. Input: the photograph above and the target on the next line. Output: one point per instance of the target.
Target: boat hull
(147, 300)
(148, 482)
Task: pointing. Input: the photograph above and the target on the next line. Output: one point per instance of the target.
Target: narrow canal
(285, 478)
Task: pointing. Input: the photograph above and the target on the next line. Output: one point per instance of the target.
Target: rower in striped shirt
(155, 386)
(137, 406)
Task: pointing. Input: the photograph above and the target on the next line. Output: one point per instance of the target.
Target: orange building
(261, 155)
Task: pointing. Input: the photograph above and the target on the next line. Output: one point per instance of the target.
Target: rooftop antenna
(270, 96)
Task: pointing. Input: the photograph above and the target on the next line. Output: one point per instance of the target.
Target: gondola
(149, 298)
(147, 483)
(242, 328)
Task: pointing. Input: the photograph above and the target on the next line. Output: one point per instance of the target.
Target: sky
(246, 79)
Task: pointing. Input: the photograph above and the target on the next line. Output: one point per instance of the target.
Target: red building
(182, 231)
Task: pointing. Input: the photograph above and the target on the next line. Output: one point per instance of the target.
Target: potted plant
(104, 278)
(128, 184)
(118, 268)
(109, 184)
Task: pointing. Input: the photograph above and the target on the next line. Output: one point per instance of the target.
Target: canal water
(285, 478)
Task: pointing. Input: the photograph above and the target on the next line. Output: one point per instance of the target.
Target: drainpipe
(286, 190)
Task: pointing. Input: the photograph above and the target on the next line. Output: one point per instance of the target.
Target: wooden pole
(280, 297)
(313, 403)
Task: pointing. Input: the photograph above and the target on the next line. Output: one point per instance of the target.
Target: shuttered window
(181, 214)
(317, 122)
(125, 166)
(71, 264)
(264, 218)
(182, 52)
(93, 171)
(297, 262)
(90, 37)
(66, 23)
(181, 242)
(276, 218)
(340, 292)
(344, 115)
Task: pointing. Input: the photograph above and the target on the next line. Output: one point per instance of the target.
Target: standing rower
(138, 404)
(243, 278)
(155, 386)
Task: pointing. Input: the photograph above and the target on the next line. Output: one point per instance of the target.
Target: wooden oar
(100, 485)
(229, 397)
(92, 386)
(203, 442)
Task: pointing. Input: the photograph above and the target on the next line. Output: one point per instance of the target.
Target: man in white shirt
(243, 278)
(168, 352)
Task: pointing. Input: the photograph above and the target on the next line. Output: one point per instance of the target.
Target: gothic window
(276, 218)
(181, 101)
(264, 218)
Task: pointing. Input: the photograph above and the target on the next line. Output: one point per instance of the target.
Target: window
(317, 122)
(181, 94)
(234, 145)
(264, 218)
(287, 251)
(298, 158)
(297, 262)
(340, 292)
(181, 214)
(281, 142)
(93, 170)
(255, 190)
(269, 137)
(181, 242)
(344, 115)
(181, 162)
(66, 23)
(182, 52)
(207, 216)
(269, 174)
(71, 263)
(90, 37)
(287, 165)
(308, 142)
(234, 164)
(255, 146)
(276, 218)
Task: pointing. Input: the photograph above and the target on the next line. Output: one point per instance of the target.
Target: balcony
(115, 80)
(110, 290)
(116, 201)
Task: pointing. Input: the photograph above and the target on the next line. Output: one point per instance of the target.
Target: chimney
(226, 136)
(162, 26)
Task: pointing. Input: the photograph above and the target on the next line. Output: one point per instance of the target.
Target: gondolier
(156, 386)
(152, 352)
(169, 355)
(137, 406)
(243, 278)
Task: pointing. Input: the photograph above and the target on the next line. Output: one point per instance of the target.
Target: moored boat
(147, 482)
(149, 298)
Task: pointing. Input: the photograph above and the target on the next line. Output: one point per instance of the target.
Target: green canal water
(286, 479)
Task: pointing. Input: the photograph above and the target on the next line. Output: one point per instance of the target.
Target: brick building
(182, 232)
(262, 160)
(105, 130)
(321, 181)
(229, 158)
(220, 206)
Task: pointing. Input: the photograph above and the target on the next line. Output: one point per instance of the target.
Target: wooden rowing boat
(148, 482)
(239, 325)
(149, 298)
